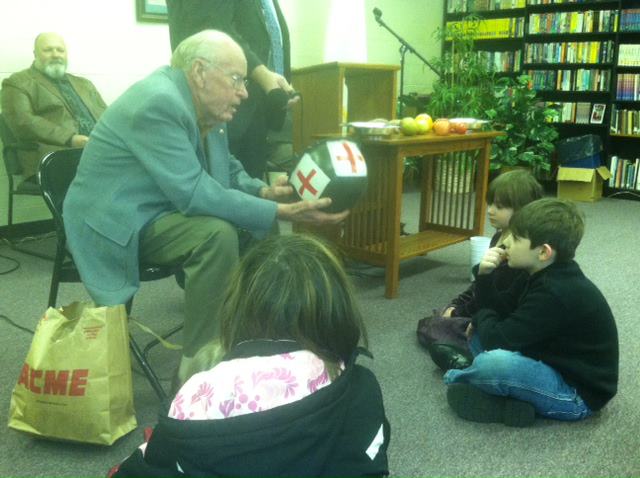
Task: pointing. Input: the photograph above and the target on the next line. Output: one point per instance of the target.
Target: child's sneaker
(473, 404)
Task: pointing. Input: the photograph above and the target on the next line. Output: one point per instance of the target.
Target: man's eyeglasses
(237, 81)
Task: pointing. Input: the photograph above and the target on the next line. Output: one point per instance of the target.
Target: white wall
(107, 45)
(104, 41)
(413, 20)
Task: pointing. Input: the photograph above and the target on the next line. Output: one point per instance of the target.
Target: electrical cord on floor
(16, 265)
(624, 193)
(37, 237)
(17, 326)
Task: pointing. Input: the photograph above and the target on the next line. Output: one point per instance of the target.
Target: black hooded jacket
(332, 432)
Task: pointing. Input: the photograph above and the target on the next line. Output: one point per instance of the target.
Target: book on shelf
(581, 80)
(464, 6)
(629, 54)
(628, 87)
(569, 52)
(613, 167)
(583, 112)
(597, 113)
(625, 173)
(568, 113)
(501, 61)
(622, 164)
(494, 28)
(573, 22)
(625, 121)
(630, 20)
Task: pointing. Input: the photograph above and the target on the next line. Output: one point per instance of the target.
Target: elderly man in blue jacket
(157, 184)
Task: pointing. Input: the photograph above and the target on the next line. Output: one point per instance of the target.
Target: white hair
(207, 45)
(53, 70)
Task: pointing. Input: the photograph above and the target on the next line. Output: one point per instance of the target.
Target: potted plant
(465, 89)
(470, 89)
(529, 136)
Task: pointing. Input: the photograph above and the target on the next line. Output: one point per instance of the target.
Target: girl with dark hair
(288, 398)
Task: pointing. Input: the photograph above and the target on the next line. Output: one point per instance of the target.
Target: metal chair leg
(148, 371)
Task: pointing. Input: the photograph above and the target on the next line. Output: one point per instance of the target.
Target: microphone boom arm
(406, 46)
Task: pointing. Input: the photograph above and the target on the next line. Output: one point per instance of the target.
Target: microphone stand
(404, 48)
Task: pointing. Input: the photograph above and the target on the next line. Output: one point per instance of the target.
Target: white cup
(479, 245)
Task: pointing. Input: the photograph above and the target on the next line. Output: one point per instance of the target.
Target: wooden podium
(336, 92)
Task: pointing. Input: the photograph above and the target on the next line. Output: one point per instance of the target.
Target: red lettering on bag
(56, 382)
(78, 382)
(55, 385)
(24, 376)
(33, 375)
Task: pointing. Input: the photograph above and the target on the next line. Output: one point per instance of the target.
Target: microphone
(377, 13)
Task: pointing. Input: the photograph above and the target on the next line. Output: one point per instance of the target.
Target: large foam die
(331, 168)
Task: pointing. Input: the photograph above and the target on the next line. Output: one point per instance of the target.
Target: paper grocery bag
(76, 381)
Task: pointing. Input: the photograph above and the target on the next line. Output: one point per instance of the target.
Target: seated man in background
(158, 185)
(47, 107)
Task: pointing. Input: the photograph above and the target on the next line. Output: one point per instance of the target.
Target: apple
(425, 123)
(441, 127)
(459, 127)
(408, 126)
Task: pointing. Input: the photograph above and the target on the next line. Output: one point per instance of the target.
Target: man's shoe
(475, 405)
(449, 356)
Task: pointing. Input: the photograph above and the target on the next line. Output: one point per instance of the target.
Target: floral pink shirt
(247, 385)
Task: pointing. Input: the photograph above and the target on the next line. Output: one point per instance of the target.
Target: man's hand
(278, 191)
(491, 259)
(270, 80)
(310, 212)
(78, 140)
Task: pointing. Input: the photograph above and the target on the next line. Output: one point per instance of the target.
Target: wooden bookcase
(571, 50)
(625, 143)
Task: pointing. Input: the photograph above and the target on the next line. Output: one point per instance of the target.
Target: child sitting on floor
(288, 398)
(556, 354)
(443, 334)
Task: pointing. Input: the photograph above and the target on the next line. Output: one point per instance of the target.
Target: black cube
(331, 168)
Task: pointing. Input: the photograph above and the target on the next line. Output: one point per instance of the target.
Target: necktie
(276, 56)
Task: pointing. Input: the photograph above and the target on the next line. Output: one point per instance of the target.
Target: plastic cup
(479, 245)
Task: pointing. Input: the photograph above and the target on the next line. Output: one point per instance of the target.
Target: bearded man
(45, 107)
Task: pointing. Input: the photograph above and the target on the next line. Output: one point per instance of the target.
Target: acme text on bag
(54, 382)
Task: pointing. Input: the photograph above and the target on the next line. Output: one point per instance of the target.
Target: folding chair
(16, 184)
(57, 170)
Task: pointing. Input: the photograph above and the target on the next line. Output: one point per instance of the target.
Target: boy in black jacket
(556, 354)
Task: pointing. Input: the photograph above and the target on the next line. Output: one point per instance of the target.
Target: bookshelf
(584, 59)
(499, 35)
(623, 150)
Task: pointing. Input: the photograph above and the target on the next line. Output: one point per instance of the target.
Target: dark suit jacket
(36, 112)
(244, 21)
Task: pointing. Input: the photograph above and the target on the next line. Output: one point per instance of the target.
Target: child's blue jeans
(510, 374)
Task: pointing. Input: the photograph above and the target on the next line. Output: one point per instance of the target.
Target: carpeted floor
(427, 438)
